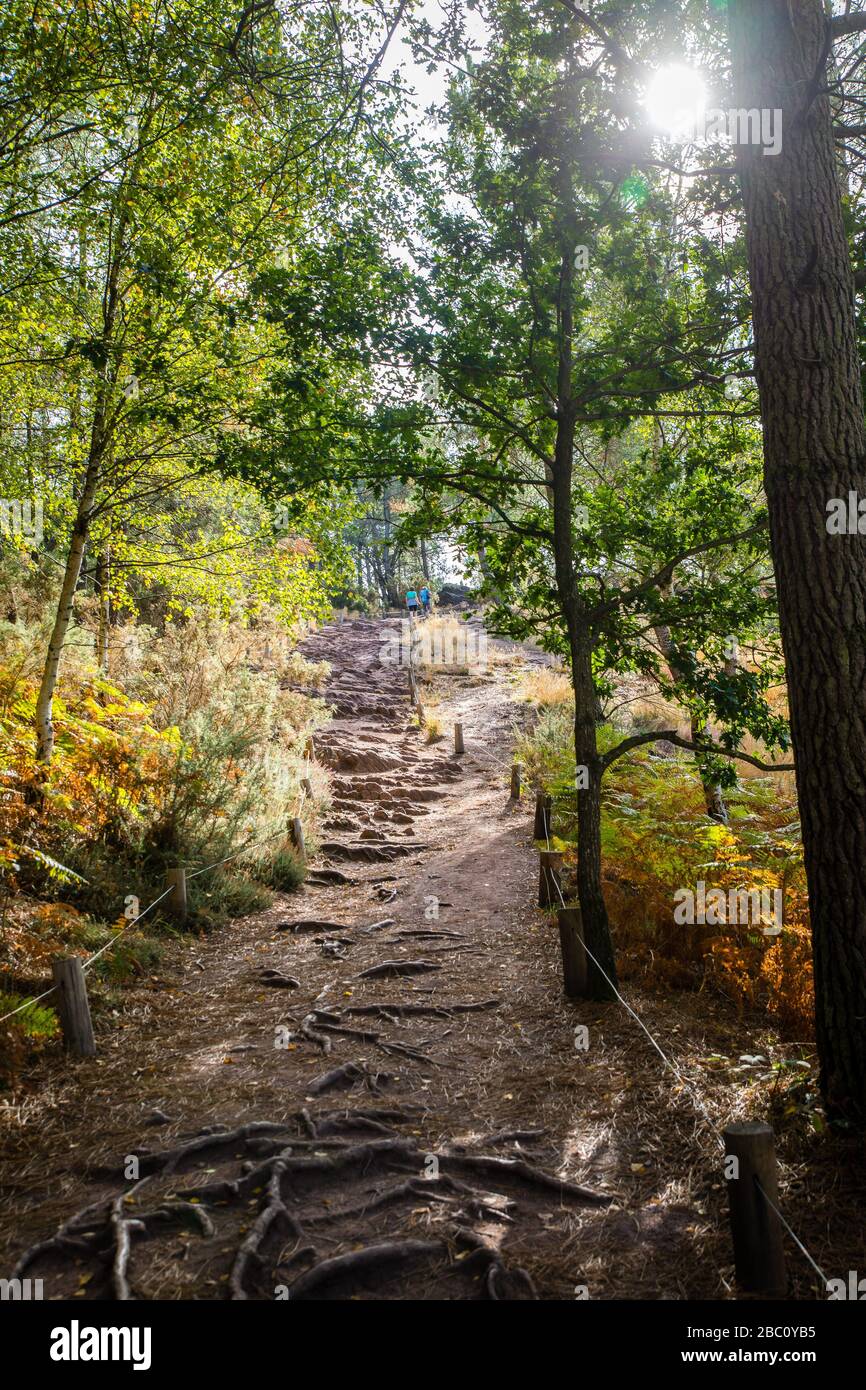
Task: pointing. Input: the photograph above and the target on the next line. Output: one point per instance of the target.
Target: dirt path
(427, 1132)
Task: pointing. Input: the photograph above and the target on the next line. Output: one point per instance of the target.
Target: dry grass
(546, 686)
(432, 726)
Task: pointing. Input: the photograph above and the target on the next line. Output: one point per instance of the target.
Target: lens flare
(676, 100)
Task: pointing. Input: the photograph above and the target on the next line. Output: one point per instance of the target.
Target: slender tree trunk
(63, 615)
(99, 439)
(808, 372)
(601, 974)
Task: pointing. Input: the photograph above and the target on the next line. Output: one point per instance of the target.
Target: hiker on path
(412, 602)
(425, 599)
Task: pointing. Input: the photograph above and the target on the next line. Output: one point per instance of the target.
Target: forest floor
(430, 1131)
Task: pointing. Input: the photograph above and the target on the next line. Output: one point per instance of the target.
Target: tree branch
(671, 736)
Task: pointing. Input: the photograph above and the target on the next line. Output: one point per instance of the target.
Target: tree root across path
(409, 1223)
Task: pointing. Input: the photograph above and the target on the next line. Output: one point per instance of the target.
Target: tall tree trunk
(601, 973)
(63, 615)
(425, 568)
(100, 431)
(808, 373)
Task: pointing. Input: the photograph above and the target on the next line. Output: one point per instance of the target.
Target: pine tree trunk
(808, 372)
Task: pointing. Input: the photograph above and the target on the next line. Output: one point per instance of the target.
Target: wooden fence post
(515, 782)
(307, 786)
(297, 836)
(458, 739)
(548, 878)
(573, 952)
(757, 1231)
(175, 879)
(72, 1005)
(543, 808)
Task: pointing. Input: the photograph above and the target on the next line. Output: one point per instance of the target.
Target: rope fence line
(688, 1087)
(793, 1234)
(684, 1082)
(86, 964)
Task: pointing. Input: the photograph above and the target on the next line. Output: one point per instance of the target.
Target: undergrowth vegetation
(188, 750)
(657, 839)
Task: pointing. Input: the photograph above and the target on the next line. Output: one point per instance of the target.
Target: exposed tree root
(122, 1230)
(360, 1264)
(315, 924)
(515, 1169)
(167, 1161)
(430, 935)
(512, 1136)
(346, 1076)
(388, 1011)
(306, 1169)
(326, 878)
(277, 980)
(410, 1190)
(308, 1031)
(272, 1212)
(389, 968)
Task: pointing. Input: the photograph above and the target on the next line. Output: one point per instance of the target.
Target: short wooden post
(549, 893)
(574, 973)
(307, 787)
(543, 807)
(759, 1255)
(310, 748)
(297, 836)
(458, 739)
(175, 879)
(72, 1005)
(515, 782)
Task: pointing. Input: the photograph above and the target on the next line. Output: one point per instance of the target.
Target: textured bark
(812, 407)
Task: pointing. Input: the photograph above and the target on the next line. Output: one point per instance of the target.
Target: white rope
(684, 1082)
(795, 1238)
(28, 1004)
(696, 1099)
(114, 939)
(130, 923)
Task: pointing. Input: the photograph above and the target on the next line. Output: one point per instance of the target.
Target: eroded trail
(370, 1090)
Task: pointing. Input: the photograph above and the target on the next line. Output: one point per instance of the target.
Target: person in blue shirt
(425, 599)
(412, 602)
